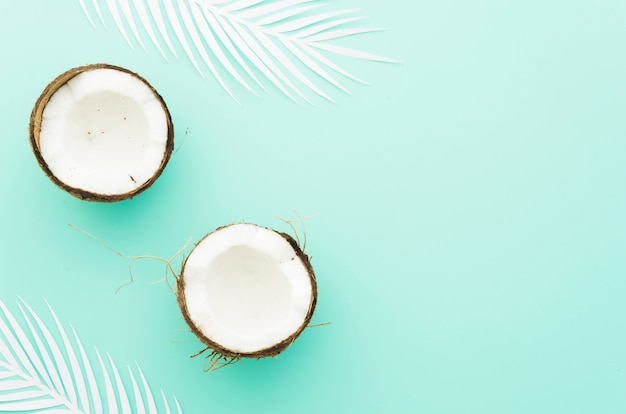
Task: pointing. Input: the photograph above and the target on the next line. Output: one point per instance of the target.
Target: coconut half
(247, 291)
(101, 132)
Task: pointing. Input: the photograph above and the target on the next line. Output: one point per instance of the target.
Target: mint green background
(470, 233)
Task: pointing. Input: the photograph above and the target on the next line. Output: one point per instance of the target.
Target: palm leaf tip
(253, 43)
(44, 369)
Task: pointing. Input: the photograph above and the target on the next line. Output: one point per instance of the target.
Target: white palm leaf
(45, 370)
(285, 43)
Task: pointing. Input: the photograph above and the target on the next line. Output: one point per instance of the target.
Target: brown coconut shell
(35, 130)
(267, 352)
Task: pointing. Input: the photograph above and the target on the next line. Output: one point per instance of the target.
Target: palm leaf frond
(285, 43)
(46, 370)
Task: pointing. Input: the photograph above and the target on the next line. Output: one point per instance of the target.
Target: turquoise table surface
(469, 213)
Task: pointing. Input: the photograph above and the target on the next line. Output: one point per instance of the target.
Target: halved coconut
(247, 291)
(101, 132)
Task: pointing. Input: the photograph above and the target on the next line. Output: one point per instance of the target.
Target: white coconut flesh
(105, 131)
(246, 288)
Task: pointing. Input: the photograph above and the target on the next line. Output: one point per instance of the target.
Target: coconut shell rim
(35, 130)
(266, 352)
